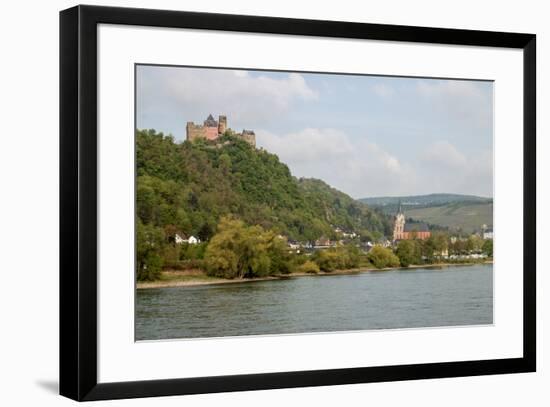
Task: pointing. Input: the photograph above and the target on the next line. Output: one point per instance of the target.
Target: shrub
(408, 252)
(488, 247)
(382, 257)
(309, 267)
(327, 260)
(190, 265)
(148, 251)
(338, 258)
(241, 251)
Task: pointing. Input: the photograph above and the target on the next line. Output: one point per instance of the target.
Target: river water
(450, 296)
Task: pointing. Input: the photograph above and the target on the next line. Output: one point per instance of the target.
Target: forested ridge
(190, 187)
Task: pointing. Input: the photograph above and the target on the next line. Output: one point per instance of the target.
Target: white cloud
(361, 168)
(307, 145)
(372, 159)
(444, 154)
(462, 101)
(355, 166)
(249, 100)
(444, 168)
(383, 90)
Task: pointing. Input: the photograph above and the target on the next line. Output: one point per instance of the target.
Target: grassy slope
(468, 216)
(423, 200)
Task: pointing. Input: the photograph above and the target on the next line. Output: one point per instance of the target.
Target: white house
(193, 240)
(488, 233)
(180, 239)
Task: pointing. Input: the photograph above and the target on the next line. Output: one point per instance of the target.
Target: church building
(403, 230)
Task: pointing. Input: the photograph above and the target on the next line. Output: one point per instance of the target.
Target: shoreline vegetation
(191, 278)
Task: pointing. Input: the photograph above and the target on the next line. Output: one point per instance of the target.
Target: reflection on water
(390, 299)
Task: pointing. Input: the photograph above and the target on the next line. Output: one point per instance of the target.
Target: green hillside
(455, 211)
(190, 186)
(422, 200)
(467, 216)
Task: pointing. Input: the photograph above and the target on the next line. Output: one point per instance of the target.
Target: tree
(224, 164)
(427, 249)
(240, 251)
(408, 252)
(338, 258)
(488, 247)
(308, 267)
(382, 257)
(150, 241)
(327, 260)
(205, 232)
(458, 247)
(440, 242)
(474, 243)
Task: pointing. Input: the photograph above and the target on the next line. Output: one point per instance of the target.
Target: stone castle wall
(249, 137)
(222, 124)
(195, 131)
(210, 132)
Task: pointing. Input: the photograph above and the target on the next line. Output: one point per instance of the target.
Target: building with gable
(212, 130)
(412, 230)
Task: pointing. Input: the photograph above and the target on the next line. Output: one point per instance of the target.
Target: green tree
(308, 267)
(440, 241)
(327, 260)
(474, 243)
(149, 248)
(338, 258)
(224, 164)
(427, 249)
(488, 247)
(382, 257)
(240, 251)
(458, 247)
(408, 252)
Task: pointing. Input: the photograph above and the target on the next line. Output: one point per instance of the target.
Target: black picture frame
(78, 201)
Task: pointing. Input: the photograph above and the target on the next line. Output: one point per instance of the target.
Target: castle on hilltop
(212, 130)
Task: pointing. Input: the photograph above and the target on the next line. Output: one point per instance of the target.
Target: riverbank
(187, 278)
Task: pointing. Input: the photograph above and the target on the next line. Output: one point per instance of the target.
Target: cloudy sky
(364, 135)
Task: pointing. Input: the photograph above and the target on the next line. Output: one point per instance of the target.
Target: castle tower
(210, 128)
(222, 124)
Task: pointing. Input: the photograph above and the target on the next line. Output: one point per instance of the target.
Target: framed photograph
(256, 202)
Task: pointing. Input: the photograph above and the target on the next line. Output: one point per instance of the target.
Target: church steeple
(399, 223)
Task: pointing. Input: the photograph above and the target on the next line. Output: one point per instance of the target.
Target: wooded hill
(189, 186)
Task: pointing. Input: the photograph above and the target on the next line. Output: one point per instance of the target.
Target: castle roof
(416, 227)
(210, 122)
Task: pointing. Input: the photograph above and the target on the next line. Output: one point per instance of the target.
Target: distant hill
(468, 216)
(464, 212)
(423, 200)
